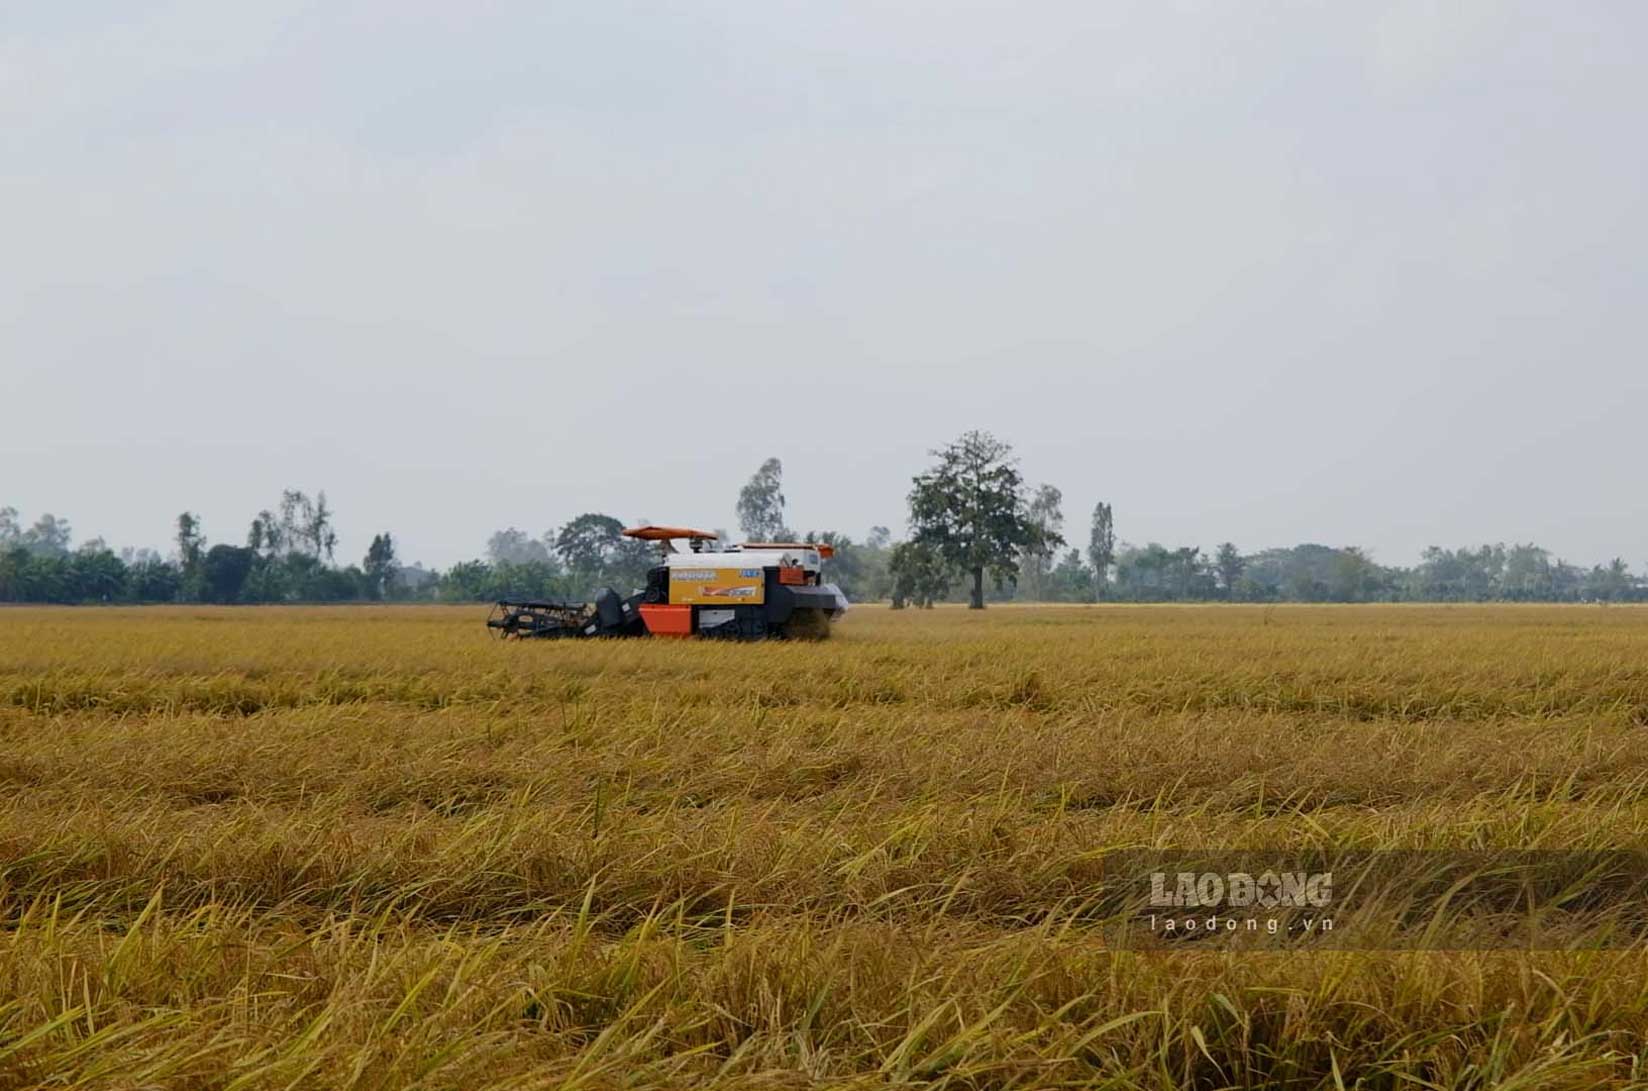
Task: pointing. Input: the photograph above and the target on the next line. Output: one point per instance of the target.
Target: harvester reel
(523, 620)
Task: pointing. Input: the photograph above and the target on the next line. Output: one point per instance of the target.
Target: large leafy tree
(153, 580)
(918, 575)
(49, 537)
(98, 575)
(467, 581)
(516, 546)
(1528, 572)
(1609, 583)
(761, 505)
(588, 541)
(1071, 580)
(971, 508)
(628, 562)
(224, 569)
(305, 525)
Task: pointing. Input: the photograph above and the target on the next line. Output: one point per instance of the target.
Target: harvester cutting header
(745, 592)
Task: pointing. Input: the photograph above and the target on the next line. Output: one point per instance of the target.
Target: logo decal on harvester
(712, 586)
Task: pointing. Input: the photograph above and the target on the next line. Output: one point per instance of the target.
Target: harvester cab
(745, 592)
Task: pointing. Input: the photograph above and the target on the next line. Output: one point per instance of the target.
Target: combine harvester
(743, 592)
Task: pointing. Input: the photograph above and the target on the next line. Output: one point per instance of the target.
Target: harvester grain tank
(744, 592)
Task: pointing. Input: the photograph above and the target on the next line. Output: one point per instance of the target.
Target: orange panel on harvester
(669, 620)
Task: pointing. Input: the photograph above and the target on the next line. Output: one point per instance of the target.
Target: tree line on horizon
(978, 533)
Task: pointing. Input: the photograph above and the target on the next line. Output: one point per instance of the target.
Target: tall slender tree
(323, 539)
(1046, 512)
(1228, 562)
(263, 537)
(379, 565)
(190, 542)
(761, 505)
(1101, 546)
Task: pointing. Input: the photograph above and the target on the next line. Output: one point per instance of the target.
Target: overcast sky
(1346, 273)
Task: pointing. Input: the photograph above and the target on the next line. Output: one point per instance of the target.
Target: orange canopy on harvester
(664, 534)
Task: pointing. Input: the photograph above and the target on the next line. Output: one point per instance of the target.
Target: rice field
(361, 847)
